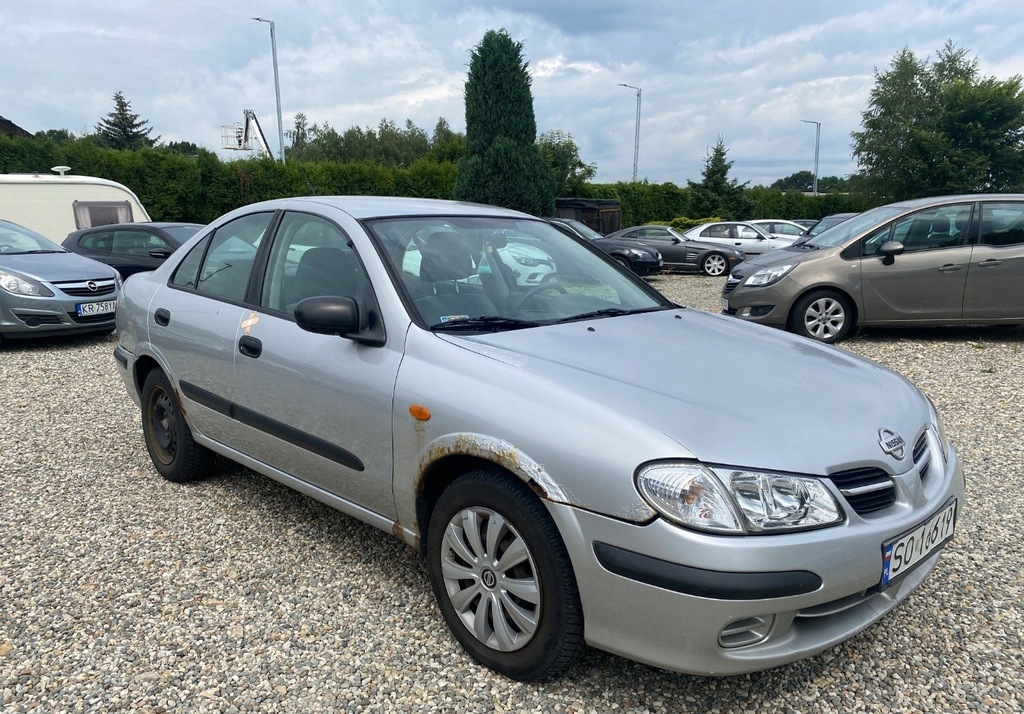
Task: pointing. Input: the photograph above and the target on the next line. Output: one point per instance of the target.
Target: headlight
(737, 501)
(638, 253)
(527, 260)
(22, 286)
(767, 276)
(940, 430)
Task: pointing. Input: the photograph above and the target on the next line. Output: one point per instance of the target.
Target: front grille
(730, 285)
(866, 489)
(81, 288)
(922, 456)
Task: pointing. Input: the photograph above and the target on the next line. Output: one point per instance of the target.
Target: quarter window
(224, 260)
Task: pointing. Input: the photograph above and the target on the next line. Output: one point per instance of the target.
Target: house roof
(11, 129)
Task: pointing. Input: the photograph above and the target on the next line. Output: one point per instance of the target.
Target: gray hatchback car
(534, 443)
(45, 290)
(949, 260)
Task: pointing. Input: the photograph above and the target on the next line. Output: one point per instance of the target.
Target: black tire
(823, 315)
(546, 636)
(714, 264)
(623, 262)
(174, 452)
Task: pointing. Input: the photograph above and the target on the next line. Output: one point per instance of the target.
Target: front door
(317, 407)
(925, 282)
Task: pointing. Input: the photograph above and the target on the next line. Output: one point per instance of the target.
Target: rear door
(196, 317)
(995, 278)
(927, 281)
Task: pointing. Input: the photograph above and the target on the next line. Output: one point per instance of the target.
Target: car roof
(367, 207)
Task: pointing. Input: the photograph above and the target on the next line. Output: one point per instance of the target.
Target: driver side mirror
(890, 250)
(333, 315)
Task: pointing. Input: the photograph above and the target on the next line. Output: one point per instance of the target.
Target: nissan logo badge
(892, 443)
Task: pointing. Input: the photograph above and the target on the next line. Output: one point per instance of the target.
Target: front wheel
(714, 264)
(169, 440)
(502, 577)
(825, 316)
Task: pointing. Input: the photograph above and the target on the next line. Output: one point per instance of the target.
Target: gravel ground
(122, 592)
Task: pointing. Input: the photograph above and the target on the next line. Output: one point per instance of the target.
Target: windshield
(485, 273)
(842, 232)
(585, 230)
(18, 239)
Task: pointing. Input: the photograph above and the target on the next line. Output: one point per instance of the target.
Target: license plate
(725, 305)
(900, 555)
(95, 308)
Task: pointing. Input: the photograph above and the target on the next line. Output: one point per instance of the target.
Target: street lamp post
(636, 140)
(277, 85)
(817, 141)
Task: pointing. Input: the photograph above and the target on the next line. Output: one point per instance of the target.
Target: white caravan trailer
(57, 205)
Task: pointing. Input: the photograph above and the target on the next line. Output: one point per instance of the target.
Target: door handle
(990, 263)
(162, 317)
(949, 268)
(250, 346)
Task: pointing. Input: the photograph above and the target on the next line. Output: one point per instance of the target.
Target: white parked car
(741, 235)
(780, 228)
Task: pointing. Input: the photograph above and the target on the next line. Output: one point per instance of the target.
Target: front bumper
(719, 605)
(645, 266)
(769, 305)
(29, 316)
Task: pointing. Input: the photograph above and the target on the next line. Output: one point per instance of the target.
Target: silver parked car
(949, 260)
(535, 443)
(45, 290)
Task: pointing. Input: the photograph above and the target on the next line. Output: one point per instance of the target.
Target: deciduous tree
(562, 156)
(939, 128)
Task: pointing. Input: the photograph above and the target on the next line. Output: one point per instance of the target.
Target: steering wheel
(4, 247)
(537, 290)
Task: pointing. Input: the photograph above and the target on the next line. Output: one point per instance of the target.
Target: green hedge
(200, 187)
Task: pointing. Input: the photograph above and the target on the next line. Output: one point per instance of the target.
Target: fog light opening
(746, 632)
(756, 311)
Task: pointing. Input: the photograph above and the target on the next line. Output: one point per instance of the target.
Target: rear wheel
(714, 264)
(169, 440)
(825, 316)
(502, 577)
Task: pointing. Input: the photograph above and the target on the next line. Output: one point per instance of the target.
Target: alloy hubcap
(824, 318)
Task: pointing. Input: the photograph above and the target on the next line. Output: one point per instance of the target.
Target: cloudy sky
(746, 70)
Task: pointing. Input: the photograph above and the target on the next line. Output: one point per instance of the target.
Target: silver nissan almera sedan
(534, 442)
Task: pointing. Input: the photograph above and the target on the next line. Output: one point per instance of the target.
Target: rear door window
(220, 265)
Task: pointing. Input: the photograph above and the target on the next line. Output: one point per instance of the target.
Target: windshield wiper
(35, 252)
(494, 323)
(612, 312)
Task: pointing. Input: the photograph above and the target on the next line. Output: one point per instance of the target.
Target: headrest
(445, 256)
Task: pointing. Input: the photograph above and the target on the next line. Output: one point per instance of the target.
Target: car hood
(621, 243)
(779, 256)
(726, 391)
(58, 267)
